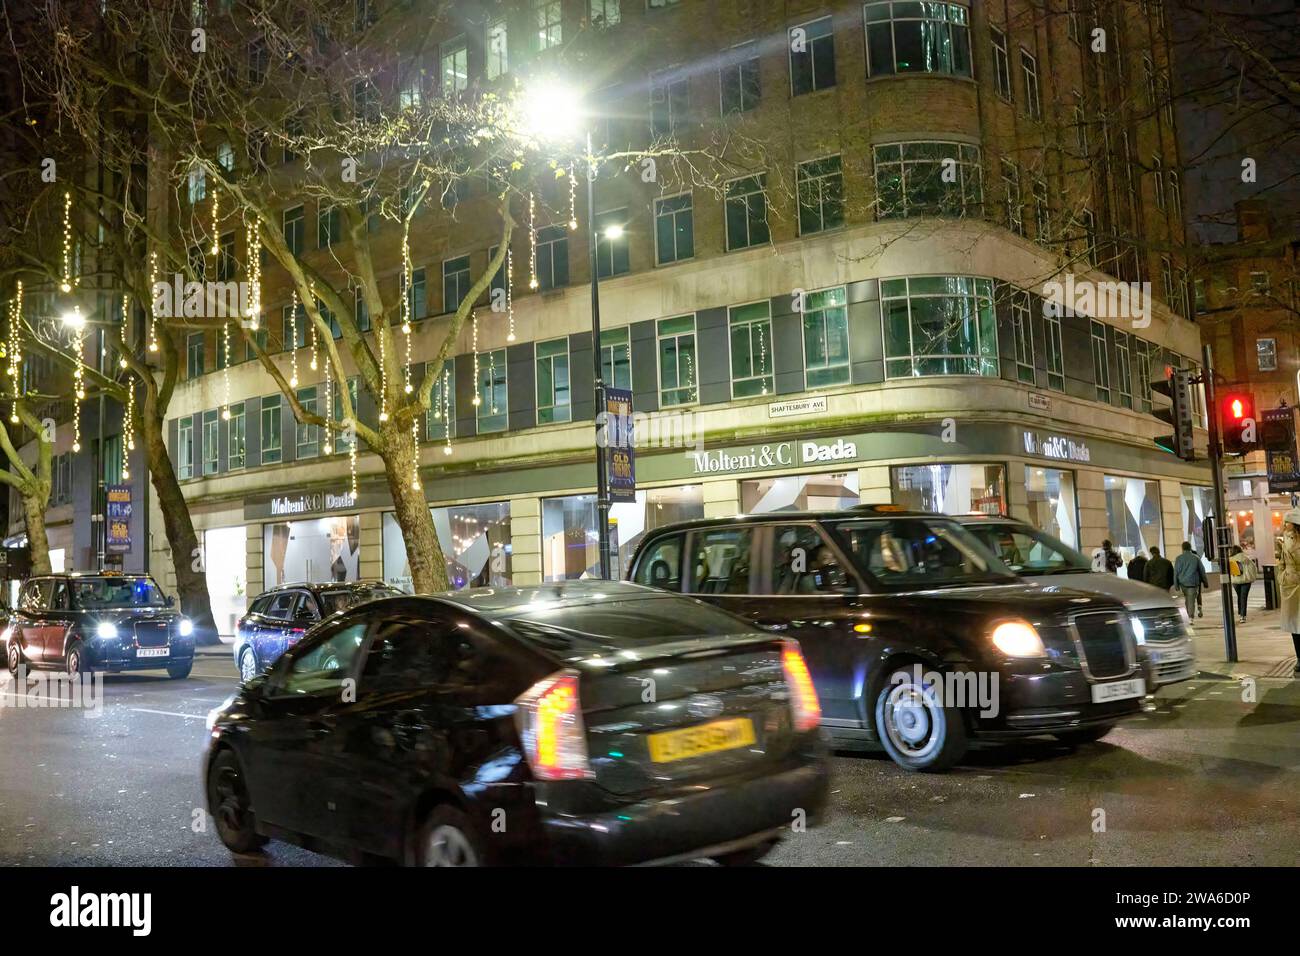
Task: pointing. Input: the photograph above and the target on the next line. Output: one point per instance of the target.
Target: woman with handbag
(1242, 573)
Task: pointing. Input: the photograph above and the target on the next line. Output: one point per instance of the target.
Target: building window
(185, 448)
(1167, 280)
(548, 29)
(812, 57)
(746, 205)
(832, 491)
(1158, 182)
(820, 185)
(211, 429)
(569, 539)
(1089, 236)
(293, 326)
(1100, 362)
(1029, 67)
(751, 349)
(950, 489)
(1055, 352)
(271, 447)
(1133, 515)
(552, 257)
(453, 67)
(615, 358)
(907, 37)
(455, 283)
(677, 373)
(825, 338)
(341, 440)
(939, 325)
(476, 546)
(670, 98)
(739, 80)
(1143, 351)
(306, 436)
(612, 251)
(410, 94)
(1042, 214)
(236, 433)
(928, 179)
(1052, 505)
(417, 297)
(1024, 332)
(441, 416)
(1001, 64)
(1011, 196)
(1073, 26)
(605, 13)
(1124, 365)
(1259, 283)
(194, 349)
(1175, 195)
(674, 229)
(553, 397)
(491, 396)
(293, 230)
(1266, 354)
(1080, 125)
(198, 184)
(498, 49)
(329, 227)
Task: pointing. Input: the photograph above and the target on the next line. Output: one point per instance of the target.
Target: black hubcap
(231, 805)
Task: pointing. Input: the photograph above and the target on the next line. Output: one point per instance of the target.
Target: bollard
(1270, 588)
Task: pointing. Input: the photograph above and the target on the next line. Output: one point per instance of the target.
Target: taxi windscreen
(96, 593)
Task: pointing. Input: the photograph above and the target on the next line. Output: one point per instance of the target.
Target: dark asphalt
(1206, 779)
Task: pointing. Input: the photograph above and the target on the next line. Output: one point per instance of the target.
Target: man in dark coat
(1137, 567)
(1159, 571)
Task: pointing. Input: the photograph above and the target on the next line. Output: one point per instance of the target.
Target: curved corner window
(917, 37)
(939, 325)
(928, 178)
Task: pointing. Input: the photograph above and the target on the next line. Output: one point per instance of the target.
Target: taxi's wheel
(449, 838)
(231, 808)
(247, 665)
(74, 662)
(1085, 735)
(180, 671)
(14, 657)
(916, 729)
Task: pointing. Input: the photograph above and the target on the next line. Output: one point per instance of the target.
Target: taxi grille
(1104, 644)
(151, 634)
(1162, 626)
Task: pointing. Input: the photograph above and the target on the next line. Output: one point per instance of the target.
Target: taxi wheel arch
(74, 654)
(436, 806)
(955, 731)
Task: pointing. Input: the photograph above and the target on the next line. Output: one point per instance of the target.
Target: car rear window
(627, 624)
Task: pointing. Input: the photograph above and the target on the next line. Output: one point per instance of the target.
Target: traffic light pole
(1220, 510)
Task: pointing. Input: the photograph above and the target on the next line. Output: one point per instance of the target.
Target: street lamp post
(602, 469)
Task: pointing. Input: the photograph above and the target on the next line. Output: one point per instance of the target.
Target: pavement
(1263, 650)
(1209, 776)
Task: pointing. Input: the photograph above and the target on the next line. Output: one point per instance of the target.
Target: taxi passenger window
(35, 595)
(323, 668)
(60, 600)
(408, 653)
(661, 565)
(720, 561)
(282, 605)
(803, 563)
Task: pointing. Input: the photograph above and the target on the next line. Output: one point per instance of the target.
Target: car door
(805, 589)
(58, 621)
(660, 564)
(303, 617)
(29, 619)
(271, 638)
(720, 565)
(295, 712)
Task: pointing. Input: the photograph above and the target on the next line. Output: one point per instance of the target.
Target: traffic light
(1237, 423)
(1177, 385)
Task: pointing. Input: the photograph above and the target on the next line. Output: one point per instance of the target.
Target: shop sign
(619, 445)
(773, 456)
(310, 502)
(1055, 446)
(118, 533)
(1280, 442)
(799, 406)
(1040, 402)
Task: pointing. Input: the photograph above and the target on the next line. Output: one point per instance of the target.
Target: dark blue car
(277, 619)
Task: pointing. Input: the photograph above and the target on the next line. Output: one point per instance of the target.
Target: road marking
(168, 713)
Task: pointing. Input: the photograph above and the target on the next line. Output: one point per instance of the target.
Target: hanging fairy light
(510, 302)
(225, 369)
(446, 409)
(153, 308)
(126, 312)
(328, 447)
(66, 284)
(415, 440)
(216, 231)
(128, 427)
(762, 356)
(79, 374)
(312, 327)
(492, 380)
(15, 347)
(253, 241)
(406, 307)
(532, 243)
(352, 464)
(473, 325)
(293, 342)
(573, 198)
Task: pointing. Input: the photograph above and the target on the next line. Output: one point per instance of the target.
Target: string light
(473, 325)
(78, 376)
(328, 447)
(762, 357)
(573, 194)
(153, 308)
(253, 241)
(352, 460)
(66, 284)
(492, 379)
(446, 408)
(15, 347)
(312, 327)
(415, 441)
(510, 302)
(532, 243)
(293, 343)
(225, 369)
(126, 312)
(128, 427)
(216, 231)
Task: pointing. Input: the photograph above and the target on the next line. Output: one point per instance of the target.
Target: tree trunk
(191, 580)
(37, 541)
(423, 552)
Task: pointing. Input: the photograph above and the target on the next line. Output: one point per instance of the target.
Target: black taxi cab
(917, 637)
(98, 621)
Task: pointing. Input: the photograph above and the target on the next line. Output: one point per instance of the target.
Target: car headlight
(186, 627)
(1018, 639)
(106, 629)
(1139, 630)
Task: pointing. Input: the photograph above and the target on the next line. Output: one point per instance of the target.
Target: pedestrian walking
(1137, 568)
(1159, 571)
(1288, 579)
(1189, 575)
(1242, 573)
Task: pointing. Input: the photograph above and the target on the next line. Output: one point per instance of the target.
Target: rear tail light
(550, 723)
(806, 710)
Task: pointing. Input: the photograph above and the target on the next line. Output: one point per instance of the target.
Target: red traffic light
(1237, 419)
(1237, 407)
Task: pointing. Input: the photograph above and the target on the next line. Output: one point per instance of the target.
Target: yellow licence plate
(702, 739)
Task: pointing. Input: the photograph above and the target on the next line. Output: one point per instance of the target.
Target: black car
(277, 619)
(579, 723)
(98, 621)
(917, 637)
